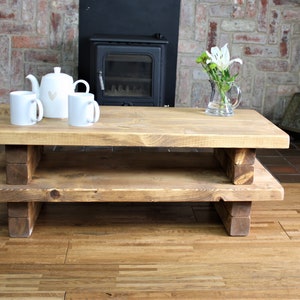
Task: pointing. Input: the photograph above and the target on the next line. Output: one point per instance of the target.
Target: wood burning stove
(129, 24)
(128, 70)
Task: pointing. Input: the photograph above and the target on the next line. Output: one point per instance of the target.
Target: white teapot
(53, 92)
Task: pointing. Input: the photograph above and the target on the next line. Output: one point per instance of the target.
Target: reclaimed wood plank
(21, 162)
(138, 177)
(235, 225)
(238, 209)
(22, 217)
(241, 156)
(153, 127)
(232, 163)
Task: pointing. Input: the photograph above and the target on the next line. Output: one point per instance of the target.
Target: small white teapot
(53, 92)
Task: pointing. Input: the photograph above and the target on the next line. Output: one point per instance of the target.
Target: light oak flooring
(156, 251)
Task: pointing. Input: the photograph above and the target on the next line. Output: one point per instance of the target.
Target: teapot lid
(58, 74)
(57, 70)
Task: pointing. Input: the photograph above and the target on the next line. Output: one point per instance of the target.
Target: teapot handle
(87, 86)
(236, 100)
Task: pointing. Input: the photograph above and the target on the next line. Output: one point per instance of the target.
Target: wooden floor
(153, 251)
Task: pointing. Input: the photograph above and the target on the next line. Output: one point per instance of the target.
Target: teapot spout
(34, 84)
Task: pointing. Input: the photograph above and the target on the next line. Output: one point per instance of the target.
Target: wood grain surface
(137, 177)
(152, 127)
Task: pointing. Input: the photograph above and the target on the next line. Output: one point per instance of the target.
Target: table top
(152, 127)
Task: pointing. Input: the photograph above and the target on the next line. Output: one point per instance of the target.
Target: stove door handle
(101, 81)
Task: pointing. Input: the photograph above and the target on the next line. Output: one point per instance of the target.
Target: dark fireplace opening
(128, 50)
(128, 70)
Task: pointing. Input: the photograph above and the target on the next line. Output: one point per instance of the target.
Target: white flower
(221, 57)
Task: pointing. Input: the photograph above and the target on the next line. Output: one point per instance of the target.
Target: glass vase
(223, 104)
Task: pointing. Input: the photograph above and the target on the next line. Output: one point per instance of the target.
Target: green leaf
(202, 58)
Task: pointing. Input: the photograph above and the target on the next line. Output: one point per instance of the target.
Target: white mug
(25, 108)
(83, 109)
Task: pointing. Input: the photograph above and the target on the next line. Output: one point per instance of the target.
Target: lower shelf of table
(136, 177)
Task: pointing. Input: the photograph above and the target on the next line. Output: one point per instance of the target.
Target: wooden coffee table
(158, 155)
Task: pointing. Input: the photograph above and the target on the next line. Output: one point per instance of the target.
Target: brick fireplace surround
(36, 35)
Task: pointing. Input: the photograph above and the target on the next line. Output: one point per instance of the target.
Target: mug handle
(96, 111)
(87, 86)
(39, 105)
(236, 101)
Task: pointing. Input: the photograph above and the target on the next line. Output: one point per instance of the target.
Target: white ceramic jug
(53, 92)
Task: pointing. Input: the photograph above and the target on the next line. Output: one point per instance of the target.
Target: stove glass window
(128, 75)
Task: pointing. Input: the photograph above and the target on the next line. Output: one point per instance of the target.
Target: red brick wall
(36, 35)
(264, 33)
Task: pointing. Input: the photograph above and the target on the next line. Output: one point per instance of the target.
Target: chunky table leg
(22, 217)
(235, 216)
(237, 163)
(21, 162)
